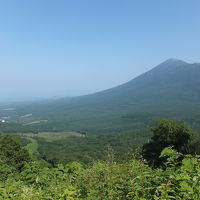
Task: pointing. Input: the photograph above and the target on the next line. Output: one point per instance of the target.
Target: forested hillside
(170, 90)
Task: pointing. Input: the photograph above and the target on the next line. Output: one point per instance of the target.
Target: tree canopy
(12, 153)
(167, 133)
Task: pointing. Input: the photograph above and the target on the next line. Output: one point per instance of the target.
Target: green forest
(164, 165)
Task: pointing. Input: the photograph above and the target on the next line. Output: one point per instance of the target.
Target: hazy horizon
(53, 49)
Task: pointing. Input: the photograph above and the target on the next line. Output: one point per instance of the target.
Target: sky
(57, 48)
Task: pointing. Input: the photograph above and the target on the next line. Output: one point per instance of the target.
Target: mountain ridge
(169, 90)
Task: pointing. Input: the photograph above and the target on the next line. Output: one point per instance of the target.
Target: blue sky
(64, 48)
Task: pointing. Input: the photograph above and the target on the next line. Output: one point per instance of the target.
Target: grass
(48, 136)
(52, 136)
(32, 147)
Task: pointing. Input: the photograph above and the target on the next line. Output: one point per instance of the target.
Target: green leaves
(185, 187)
(105, 180)
(167, 133)
(189, 164)
(168, 152)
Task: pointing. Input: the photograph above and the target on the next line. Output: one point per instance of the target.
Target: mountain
(170, 90)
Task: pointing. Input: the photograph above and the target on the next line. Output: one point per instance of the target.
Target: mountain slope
(170, 90)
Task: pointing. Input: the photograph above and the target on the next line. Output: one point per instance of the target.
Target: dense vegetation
(10, 127)
(107, 179)
(167, 133)
(23, 176)
(91, 147)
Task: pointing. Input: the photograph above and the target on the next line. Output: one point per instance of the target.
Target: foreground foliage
(167, 133)
(106, 180)
(24, 177)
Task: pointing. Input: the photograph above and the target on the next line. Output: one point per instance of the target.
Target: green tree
(12, 153)
(167, 133)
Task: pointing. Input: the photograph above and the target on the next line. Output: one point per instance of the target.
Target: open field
(49, 137)
(32, 147)
(52, 136)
